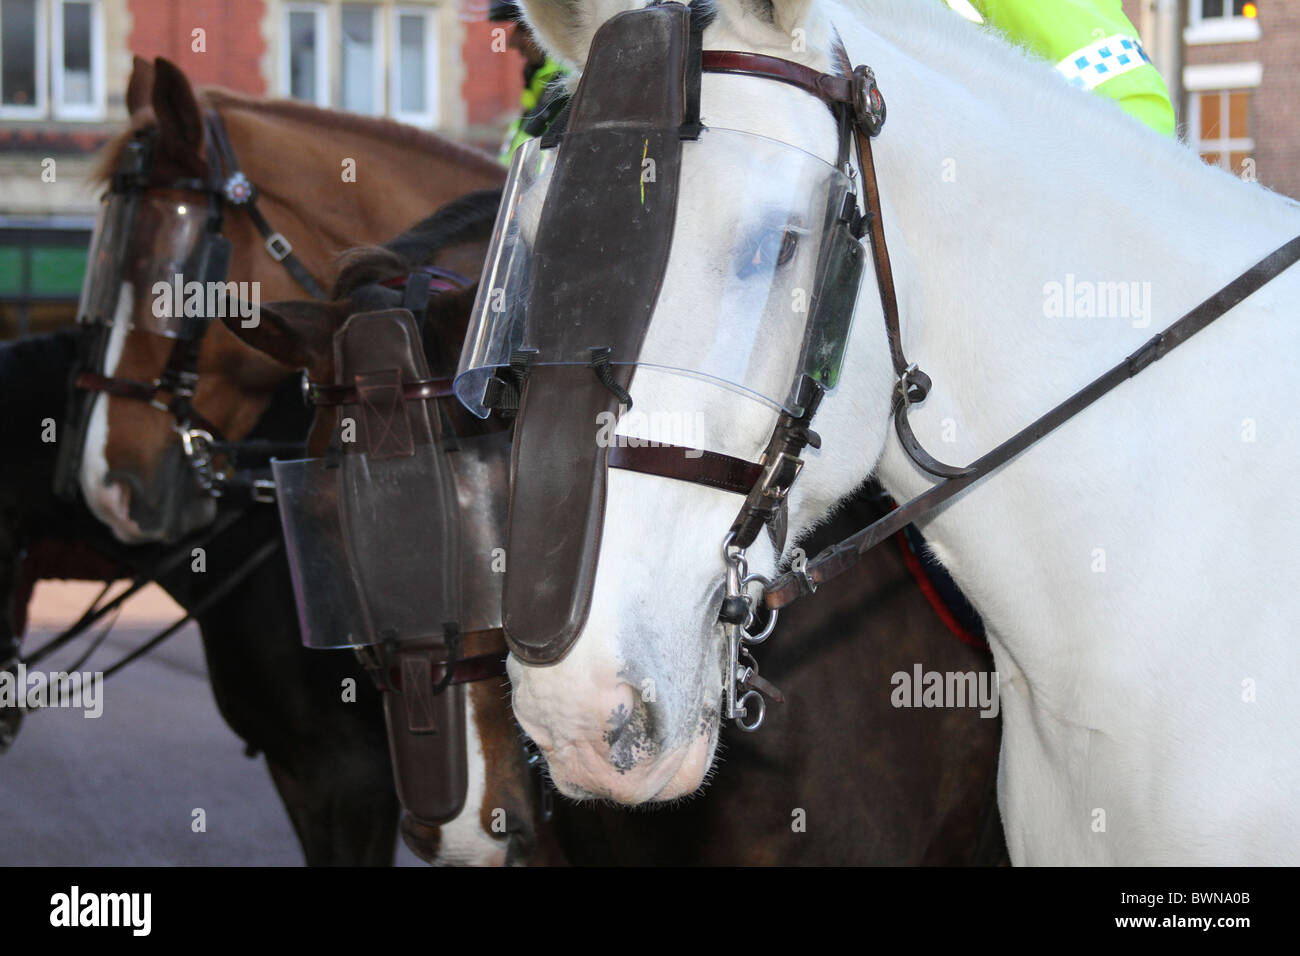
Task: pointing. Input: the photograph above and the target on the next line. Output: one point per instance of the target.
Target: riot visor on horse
(205, 216)
(1124, 467)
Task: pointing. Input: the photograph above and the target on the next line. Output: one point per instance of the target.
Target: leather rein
(855, 100)
(201, 440)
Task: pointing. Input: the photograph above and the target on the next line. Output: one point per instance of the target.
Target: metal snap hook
(742, 711)
(770, 626)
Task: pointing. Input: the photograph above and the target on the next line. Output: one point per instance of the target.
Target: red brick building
(64, 66)
(1238, 81)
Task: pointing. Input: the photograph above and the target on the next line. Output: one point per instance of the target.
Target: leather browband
(424, 389)
(688, 464)
(825, 86)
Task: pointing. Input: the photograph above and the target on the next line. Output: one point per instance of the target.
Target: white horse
(1136, 568)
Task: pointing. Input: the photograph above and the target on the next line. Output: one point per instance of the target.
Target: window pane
(1239, 115)
(1237, 162)
(410, 63)
(1238, 7)
(76, 53)
(1210, 110)
(18, 52)
(1211, 8)
(359, 93)
(303, 44)
(1212, 158)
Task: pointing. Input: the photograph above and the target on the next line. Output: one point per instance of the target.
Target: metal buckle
(913, 385)
(263, 491)
(780, 475)
(799, 567)
(868, 103)
(197, 445)
(278, 247)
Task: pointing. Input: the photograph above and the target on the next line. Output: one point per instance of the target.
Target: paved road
(119, 790)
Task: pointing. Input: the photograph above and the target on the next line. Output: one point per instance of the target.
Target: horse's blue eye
(769, 252)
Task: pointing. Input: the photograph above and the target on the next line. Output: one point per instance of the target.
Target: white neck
(1102, 559)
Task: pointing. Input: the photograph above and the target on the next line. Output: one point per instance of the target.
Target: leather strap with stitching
(688, 464)
(827, 87)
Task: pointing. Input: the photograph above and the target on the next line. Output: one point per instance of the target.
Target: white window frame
(1228, 28)
(39, 109)
(433, 66)
(1224, 146)
(380, 40)
(77, 111)
(324, 51)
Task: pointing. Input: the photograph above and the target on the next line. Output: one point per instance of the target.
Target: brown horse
(323, 181)
(839, 776)
(268, 687)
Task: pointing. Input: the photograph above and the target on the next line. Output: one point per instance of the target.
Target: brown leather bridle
(173, 391)
(855, 100)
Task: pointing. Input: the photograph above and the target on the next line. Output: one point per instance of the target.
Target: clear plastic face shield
(739, 290)
(390, 536)
(145, 240)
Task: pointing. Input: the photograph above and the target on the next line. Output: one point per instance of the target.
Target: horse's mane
(467, 219)
(380, 128)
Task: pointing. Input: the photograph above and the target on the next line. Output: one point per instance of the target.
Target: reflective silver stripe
(1091, 66)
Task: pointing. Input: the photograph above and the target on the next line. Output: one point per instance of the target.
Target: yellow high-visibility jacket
(1094, 45)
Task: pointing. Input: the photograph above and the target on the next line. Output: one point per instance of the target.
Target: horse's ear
(296, 333)
(139, 91)
(791, 15)
(777, 27)
(565, 28)
(180, 125)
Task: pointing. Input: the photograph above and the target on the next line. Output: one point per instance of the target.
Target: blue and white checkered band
(1104, 60)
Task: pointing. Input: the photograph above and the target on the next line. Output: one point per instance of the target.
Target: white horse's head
(632, 712)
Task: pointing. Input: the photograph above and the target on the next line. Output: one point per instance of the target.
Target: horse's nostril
(631, 736)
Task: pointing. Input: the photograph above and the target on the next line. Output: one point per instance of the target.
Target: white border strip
(1222, 76)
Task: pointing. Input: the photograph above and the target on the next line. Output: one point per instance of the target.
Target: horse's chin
(111, 504)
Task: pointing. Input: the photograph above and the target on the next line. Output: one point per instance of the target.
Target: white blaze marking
(109, 503)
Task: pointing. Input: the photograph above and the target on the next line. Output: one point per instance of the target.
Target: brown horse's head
(308, 168)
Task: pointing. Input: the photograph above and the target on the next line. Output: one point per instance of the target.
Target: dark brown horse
(839, 775)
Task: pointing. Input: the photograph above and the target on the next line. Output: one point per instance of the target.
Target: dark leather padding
(376, 352)
(409, 495)
(597, 265)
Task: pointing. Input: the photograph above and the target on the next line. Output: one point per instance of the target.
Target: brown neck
(295, 157)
